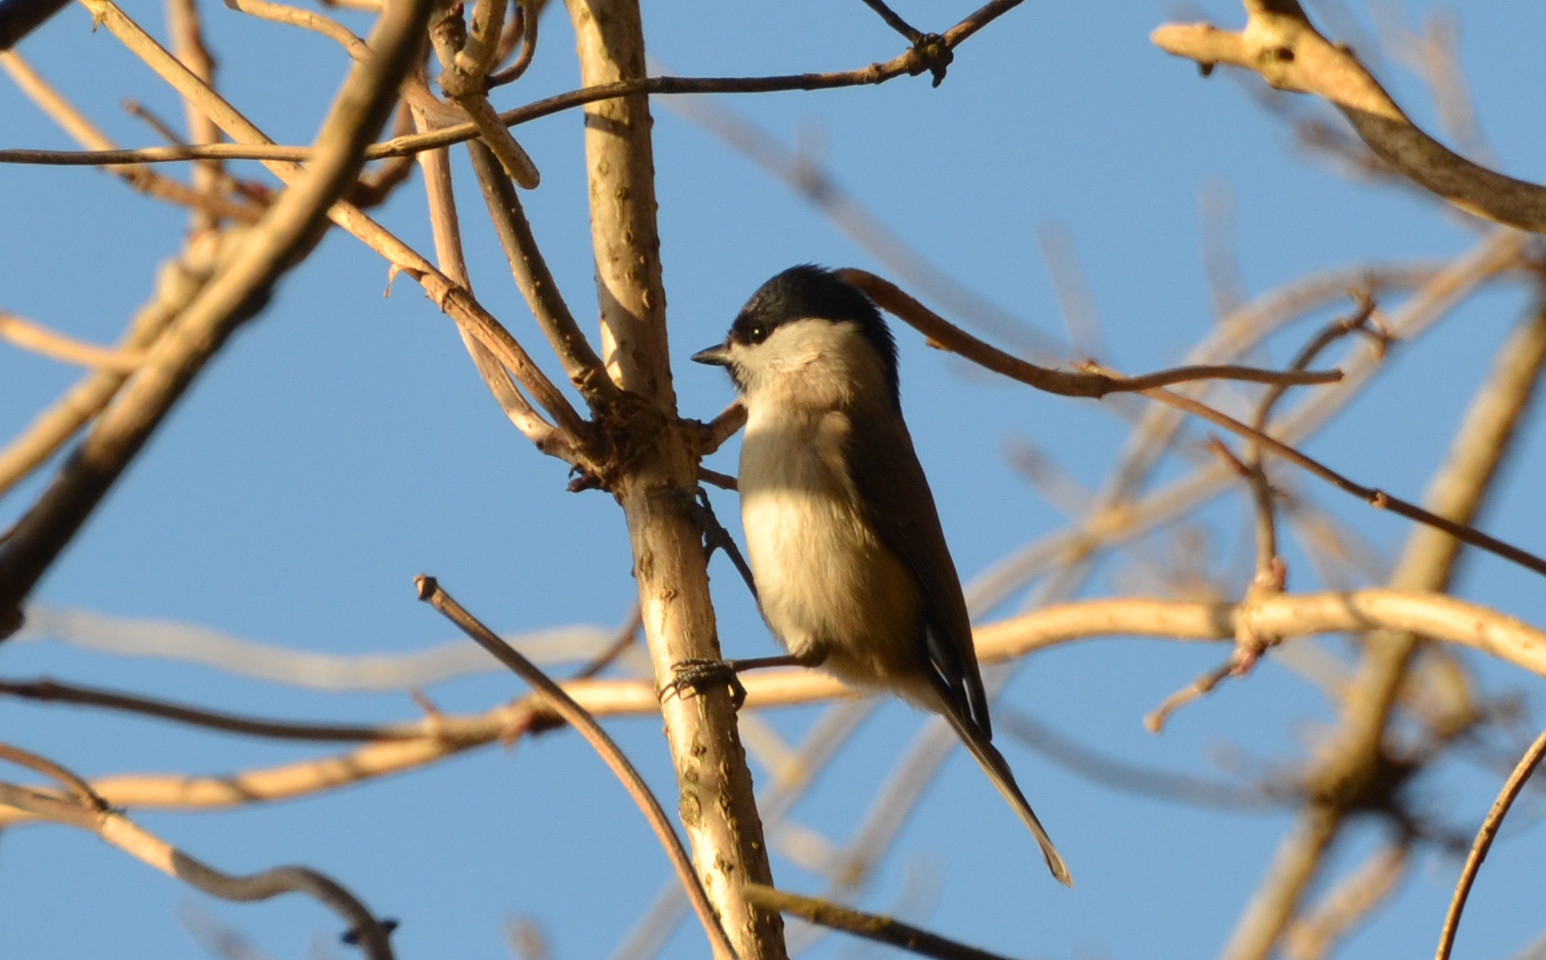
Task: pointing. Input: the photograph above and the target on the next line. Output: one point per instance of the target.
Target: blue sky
(342, 444)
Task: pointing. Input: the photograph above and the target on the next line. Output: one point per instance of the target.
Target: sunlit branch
(1281, 44)
(576, 716)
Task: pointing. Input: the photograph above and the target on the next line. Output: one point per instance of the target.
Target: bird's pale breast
(828, 586)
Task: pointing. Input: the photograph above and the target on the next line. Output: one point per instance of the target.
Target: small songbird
(845, 543)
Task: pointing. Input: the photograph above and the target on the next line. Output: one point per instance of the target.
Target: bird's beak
(717, 355)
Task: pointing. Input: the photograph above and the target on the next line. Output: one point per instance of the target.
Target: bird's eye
(757, 334)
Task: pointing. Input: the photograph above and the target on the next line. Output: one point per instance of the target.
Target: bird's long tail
(997, 769)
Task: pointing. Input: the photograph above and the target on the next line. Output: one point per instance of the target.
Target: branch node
(931, 53)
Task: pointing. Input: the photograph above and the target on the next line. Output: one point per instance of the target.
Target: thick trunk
(657, 477)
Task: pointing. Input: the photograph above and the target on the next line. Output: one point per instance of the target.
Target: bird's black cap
(808, 292)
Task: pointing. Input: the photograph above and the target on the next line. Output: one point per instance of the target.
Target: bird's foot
(702, 673)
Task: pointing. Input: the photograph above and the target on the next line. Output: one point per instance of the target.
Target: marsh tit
(845, 543)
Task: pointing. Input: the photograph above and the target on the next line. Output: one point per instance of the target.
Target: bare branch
(1098, 382)
(1483, 842)
(655, 484)
(1340, 779)
(527, 22)
(178, 282)
(1288, 616)
(137, 176)
(912, 63)
(293, 223)
(51, 691)
(1281, 44)
(868, 925)
(58, 346)
(209, 179)
(536, 283)
(455, 300)
(565, 706)
(309, 669)
(1093, 383)
(1351, 900)
(118, 830)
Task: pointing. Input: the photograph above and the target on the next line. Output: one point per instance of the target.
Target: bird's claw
(700, 673)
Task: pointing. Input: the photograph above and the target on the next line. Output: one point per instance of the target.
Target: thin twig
(305, 19)
(1071, 287)
(581, 362)
(1289, 615)
(1093, 382)
(627, 635)
(77, 785)
(45, 690)
(910, 62)
(138, 177)
(724, 481)
(57, 346)
(716, 537)
(431, 592)
(565, 441)
(868, 925)
(527, 22)
(1374, 496)
(371, 934)
(310, 669)
(148, 116)
(893, 21)
(1483, 842)
(1353, 899)
(209, 177)
(1266, 527)
(1128, 777)
(289, 227)
(445, 228)
(721, 428)
(1154, 721)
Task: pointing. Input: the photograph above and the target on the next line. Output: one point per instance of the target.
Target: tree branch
(1288, 616)
(656, 476)
(1281, 44)
(292, 224)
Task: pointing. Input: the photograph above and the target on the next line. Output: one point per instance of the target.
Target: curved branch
(67, 349)
(1098, 382)
(1093, 382)
(1286, 616)
(50, 691)
(565, 706)
(565, 442)
(177, 282)
(1489, 829)
(1281, 44)
(912, 62)
(871, 926)
(272, 247)
(371, 934)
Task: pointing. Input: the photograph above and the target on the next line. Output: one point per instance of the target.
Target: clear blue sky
(342, 444)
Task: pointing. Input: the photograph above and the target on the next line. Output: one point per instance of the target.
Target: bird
(852, 571)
